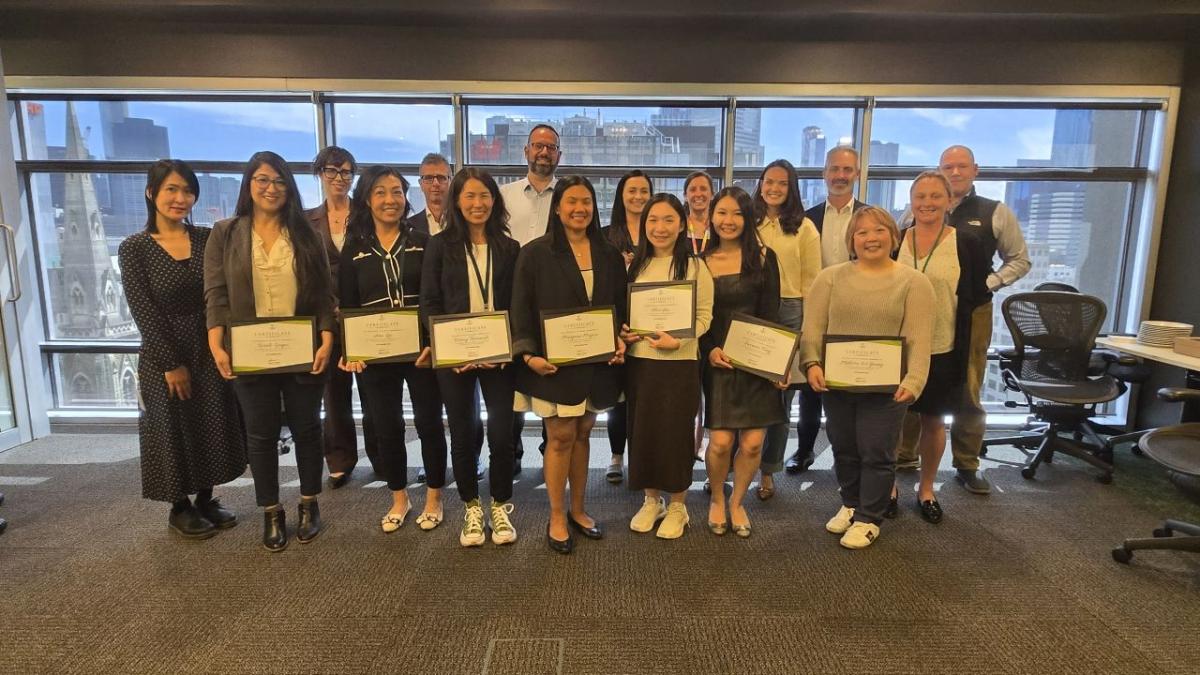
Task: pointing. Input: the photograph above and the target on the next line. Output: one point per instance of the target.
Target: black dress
(735, 399)
(187, 446)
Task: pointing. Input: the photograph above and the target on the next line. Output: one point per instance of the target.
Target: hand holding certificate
(760, 347)
(476, 339)
(577, 336)
(864, 363)
(269, 346)
(387, 336)
(663, 307)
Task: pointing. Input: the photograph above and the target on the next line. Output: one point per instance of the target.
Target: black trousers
(382, 387)
(458, 393)
(616, 428)
(810, 420)
(341, 440)
(864, 430)
(259, 397)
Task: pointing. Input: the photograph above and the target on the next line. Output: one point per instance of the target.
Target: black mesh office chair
(1177, 448)
(1054, 333)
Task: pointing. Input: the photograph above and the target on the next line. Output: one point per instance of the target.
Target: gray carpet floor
(1021, 581)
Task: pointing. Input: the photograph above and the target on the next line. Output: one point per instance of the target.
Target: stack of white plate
(1162, 333)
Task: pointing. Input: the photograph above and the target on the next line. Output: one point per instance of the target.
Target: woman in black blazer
(268, 262)
(571, 266)
(381, 270)
(469, 268)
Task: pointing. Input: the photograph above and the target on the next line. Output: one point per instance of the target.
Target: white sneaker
(651, 512)
(472, 533)
(673, 525)
(860, 535)
(503, 531)
(840, 522)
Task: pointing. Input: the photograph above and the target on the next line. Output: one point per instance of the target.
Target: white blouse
(274, 277)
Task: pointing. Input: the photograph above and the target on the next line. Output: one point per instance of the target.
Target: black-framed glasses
(263, 182)
(439, 178)
(331, 173)
(538, 147)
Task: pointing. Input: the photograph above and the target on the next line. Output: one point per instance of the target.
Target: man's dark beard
(537, 169)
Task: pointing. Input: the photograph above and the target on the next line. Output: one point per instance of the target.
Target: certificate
(580, 335)
(864, 363)
(663, 306)
(462, 339)
(760, 347)
(276, 345)
(381, 336)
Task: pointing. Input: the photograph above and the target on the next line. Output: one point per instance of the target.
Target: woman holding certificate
(797, 245)
(182, 451)
(672, 295)
(381, 272)
(568, 299)
(957, 265)
(737, 403)
(887, 306)
(469, 268)
(633, 191)
(268, 263)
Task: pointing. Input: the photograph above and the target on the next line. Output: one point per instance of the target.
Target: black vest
(974, 213)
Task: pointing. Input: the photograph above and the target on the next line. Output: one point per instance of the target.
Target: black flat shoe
(310, 524)
(931, 511)
(275, 537)
(563, 547)
(336, 482)
(221, 517)
(798, 463)
(190, 524)
(516, 468)
(594, 532)
(893, 508)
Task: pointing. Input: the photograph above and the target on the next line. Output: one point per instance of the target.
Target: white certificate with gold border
(275, 345)
(864, 363)
(461, 339)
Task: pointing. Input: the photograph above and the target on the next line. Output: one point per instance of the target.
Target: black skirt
(735, 399)
(943, 389)
(662, 399)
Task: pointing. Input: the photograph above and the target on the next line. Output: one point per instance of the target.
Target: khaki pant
(966, 433)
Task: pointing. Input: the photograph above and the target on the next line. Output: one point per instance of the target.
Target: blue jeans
(791, 314)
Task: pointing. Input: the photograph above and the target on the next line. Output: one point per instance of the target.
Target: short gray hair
(434, 158)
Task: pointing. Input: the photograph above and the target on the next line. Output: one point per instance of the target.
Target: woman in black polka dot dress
(190, 428)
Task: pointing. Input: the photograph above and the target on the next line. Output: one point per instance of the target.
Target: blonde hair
(935, 175)
(881, 217)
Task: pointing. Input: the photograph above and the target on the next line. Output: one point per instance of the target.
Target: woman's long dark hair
(555, 227)
(682, 253)
(752, 249)
(159, 171)
(307, 248)
(361, 227)
(618, 233)
(457, 229)
(791, 212)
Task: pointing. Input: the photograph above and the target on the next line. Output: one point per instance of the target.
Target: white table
(1130, 345)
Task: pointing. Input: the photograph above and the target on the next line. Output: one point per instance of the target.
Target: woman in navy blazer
(571, 266)
(469, 267)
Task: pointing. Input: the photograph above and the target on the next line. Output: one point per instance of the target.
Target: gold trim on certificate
(579, 335)
(663, 306)
(381, 335)
(272, 345)
(462, 339)
(864, 363)
(760, 347)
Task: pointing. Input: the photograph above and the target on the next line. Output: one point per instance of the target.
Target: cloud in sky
(950, 119)
(1036, 141)
(269, 117)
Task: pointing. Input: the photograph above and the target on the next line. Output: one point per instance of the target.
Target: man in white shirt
(832, 216)
(434, 178)
(528, 200)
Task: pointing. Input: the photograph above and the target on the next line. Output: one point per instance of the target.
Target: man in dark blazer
(831, 218)
(434, 177)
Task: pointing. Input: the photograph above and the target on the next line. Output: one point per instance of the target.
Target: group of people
(536, 245)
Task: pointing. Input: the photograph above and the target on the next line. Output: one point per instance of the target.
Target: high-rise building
(812, 153)
(882, 193)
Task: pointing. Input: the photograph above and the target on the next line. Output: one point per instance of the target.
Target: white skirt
(542, 408)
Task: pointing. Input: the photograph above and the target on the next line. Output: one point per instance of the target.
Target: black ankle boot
(275, 530)
(188, 523)
(221, 517)
(310, 521)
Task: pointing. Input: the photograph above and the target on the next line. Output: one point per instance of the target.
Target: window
(394, 132)
(95, 380)
(800, 135)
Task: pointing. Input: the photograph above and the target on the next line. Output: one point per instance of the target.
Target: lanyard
(483, 288)
(930, 255)
(696, 249)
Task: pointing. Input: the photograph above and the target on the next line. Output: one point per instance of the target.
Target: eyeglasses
(332, 173)
(439, 178)
(262, 183)
(538, 147)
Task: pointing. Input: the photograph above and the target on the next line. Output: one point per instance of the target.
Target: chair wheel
(1104, 479)
(1122, 556)
(1161, 532)
(1137, 450)
(1027, 473)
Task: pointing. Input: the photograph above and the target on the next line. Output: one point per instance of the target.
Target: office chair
(1054, 333)
(1176, 447)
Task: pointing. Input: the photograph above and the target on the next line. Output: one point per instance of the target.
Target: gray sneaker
(972, 482)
